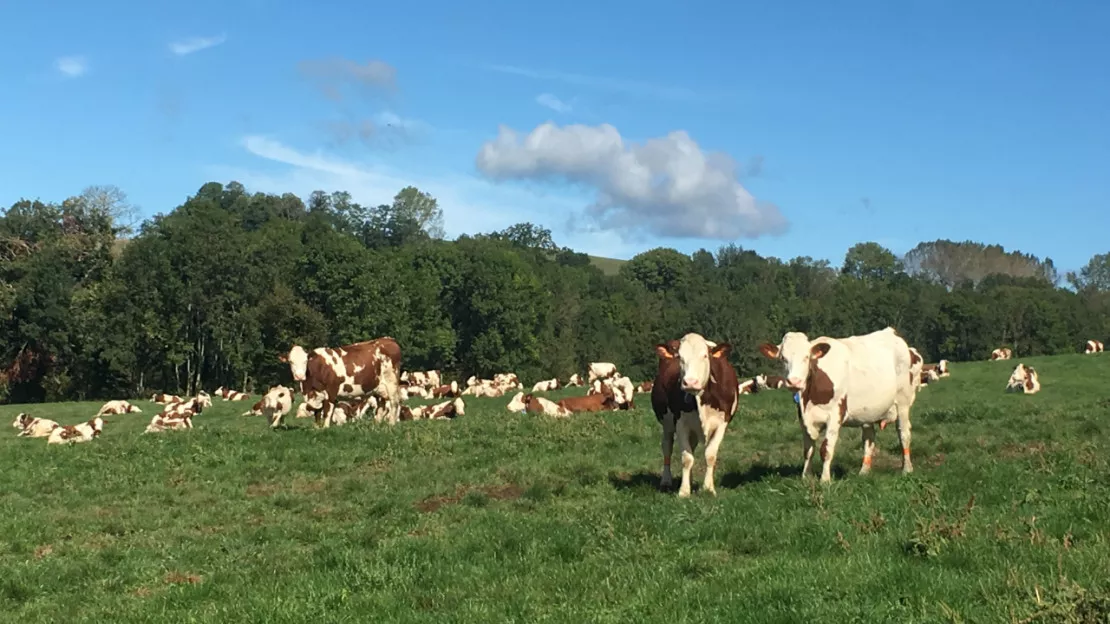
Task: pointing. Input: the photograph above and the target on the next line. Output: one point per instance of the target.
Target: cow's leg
(686, 442)
(828, 448)
(809, 442)
(713, 443)
(868, 448)
(668, 423)
(329, 409)
(904, 435)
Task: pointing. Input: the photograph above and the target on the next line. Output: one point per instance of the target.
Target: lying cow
(531, 404)
(623, 391)
(31, 427)
(274, 405)
(1002, 353)
(603, 400)
(1092, 346)
(747, 387)
(73, 434)
(940, 368)
(446, 390)
(601, 370)
(169, 422)
(1024, 379)
(442, 411)
(115, 408)
(859, 381)
(645, 387)
(575, 380)
(228, 394)
(165, 399)
(695, 395)
(546, 385)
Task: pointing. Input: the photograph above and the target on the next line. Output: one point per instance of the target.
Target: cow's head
(22, 421)
(693, 353)
(942, 366)
(298, 362)
(519, 402)
(796, 354)
(133, 409)
(97, 425)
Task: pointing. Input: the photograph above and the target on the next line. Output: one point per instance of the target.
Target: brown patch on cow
(42, 551)
(591, 402)
(819, 387)
(843, 408)
(495, 492)
(914, 359)
(348, 388)
(177, 578)
(720, 393)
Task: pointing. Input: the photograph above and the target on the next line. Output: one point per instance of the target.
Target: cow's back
(872, 370)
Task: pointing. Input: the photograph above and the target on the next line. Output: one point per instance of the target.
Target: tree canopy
(94, 304)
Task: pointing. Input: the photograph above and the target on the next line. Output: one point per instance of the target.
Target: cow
(33, 427)
(447, 390)
(442, 411)
(858, 381)
(546, 386)
(410, 391)
(274, 405)
(927, 376)
(484, 390)
(601, 370)
(644, 387)
(622, 389)
(228, 394)
(327, 374)
(940, 368)
(531, 404)
(1092, 346)
(695, 395)
(165, 399)
(575, 380)
(603, 400)
(1024, 379)
(768, 382)
(193, 406)
(747, 387)
(1002, 353)
(164, 422)
(115, 408)
(73, 434)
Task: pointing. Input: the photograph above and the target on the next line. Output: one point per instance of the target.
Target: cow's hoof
(709, 488)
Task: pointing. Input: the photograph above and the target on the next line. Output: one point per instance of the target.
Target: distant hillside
(608, 266)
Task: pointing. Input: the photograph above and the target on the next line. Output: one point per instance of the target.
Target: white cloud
(554, 103)
(196, 44)
(72, 66)
(470, 204)
(665, 187)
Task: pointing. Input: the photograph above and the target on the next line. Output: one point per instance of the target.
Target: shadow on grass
(642, 479)
(759, 472)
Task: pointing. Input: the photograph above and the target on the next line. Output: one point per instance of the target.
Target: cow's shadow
(760, 472)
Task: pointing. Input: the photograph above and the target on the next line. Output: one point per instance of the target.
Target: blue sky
(842, 122)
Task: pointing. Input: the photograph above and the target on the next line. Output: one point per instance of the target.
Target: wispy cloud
(72, 66)
(196, 44)
(470, 204)
(632, 87)
(554, 103)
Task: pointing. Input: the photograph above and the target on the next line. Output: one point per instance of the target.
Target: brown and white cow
(695, 395)
(446, 390)
(531, 404)
(32, 427)
(165, 399)
(193, 406)
(748, 386)
(1092, 346)
(603, 400)
(73, 434)
(624, 394)
(174, 422)
(441, 411)
(1002, 353)
(859, 381)
(327, 374)
(644, 387)
(769, 382)
(228, 394)
(940, 368)
(601, 370)
(1024, 379)
(927, 376)
(274, 405)
(546, 385)
(575, 380)
(115, 408)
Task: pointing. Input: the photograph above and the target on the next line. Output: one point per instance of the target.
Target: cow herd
(857, 382)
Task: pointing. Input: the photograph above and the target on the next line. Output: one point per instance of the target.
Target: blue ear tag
(798, 398)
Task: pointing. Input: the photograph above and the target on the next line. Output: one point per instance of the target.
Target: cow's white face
(942, 366)
(21, 421)
(693, 356)
(97, 425)
(517, 404)
(796, 353)
(298, 362)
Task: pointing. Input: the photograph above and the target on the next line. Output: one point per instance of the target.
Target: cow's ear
(819, 350)
(663, 351)
(721, 351)
(769, 350)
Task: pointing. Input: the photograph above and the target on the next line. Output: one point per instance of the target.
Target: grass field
(498, 517)
(608, 266)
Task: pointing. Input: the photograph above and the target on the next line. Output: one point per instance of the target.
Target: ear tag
(798, 398)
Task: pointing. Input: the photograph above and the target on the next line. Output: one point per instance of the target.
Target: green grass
(608, 266)
(501, 517)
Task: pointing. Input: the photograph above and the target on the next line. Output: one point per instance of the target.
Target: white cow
(546, 386)
(32, 427)
(1002, 353)
(601, 370)
(73, 434)
(859, 381)
(1024, 379)
(531, 404)
(113, 408)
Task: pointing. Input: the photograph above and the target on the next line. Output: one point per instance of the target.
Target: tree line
(95, 305)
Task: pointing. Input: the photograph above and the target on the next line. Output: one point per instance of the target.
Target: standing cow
(859, 381)
(695, 395)
(327, 374)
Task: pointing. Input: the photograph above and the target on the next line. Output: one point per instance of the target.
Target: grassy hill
(608, 266)
(499, 516)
